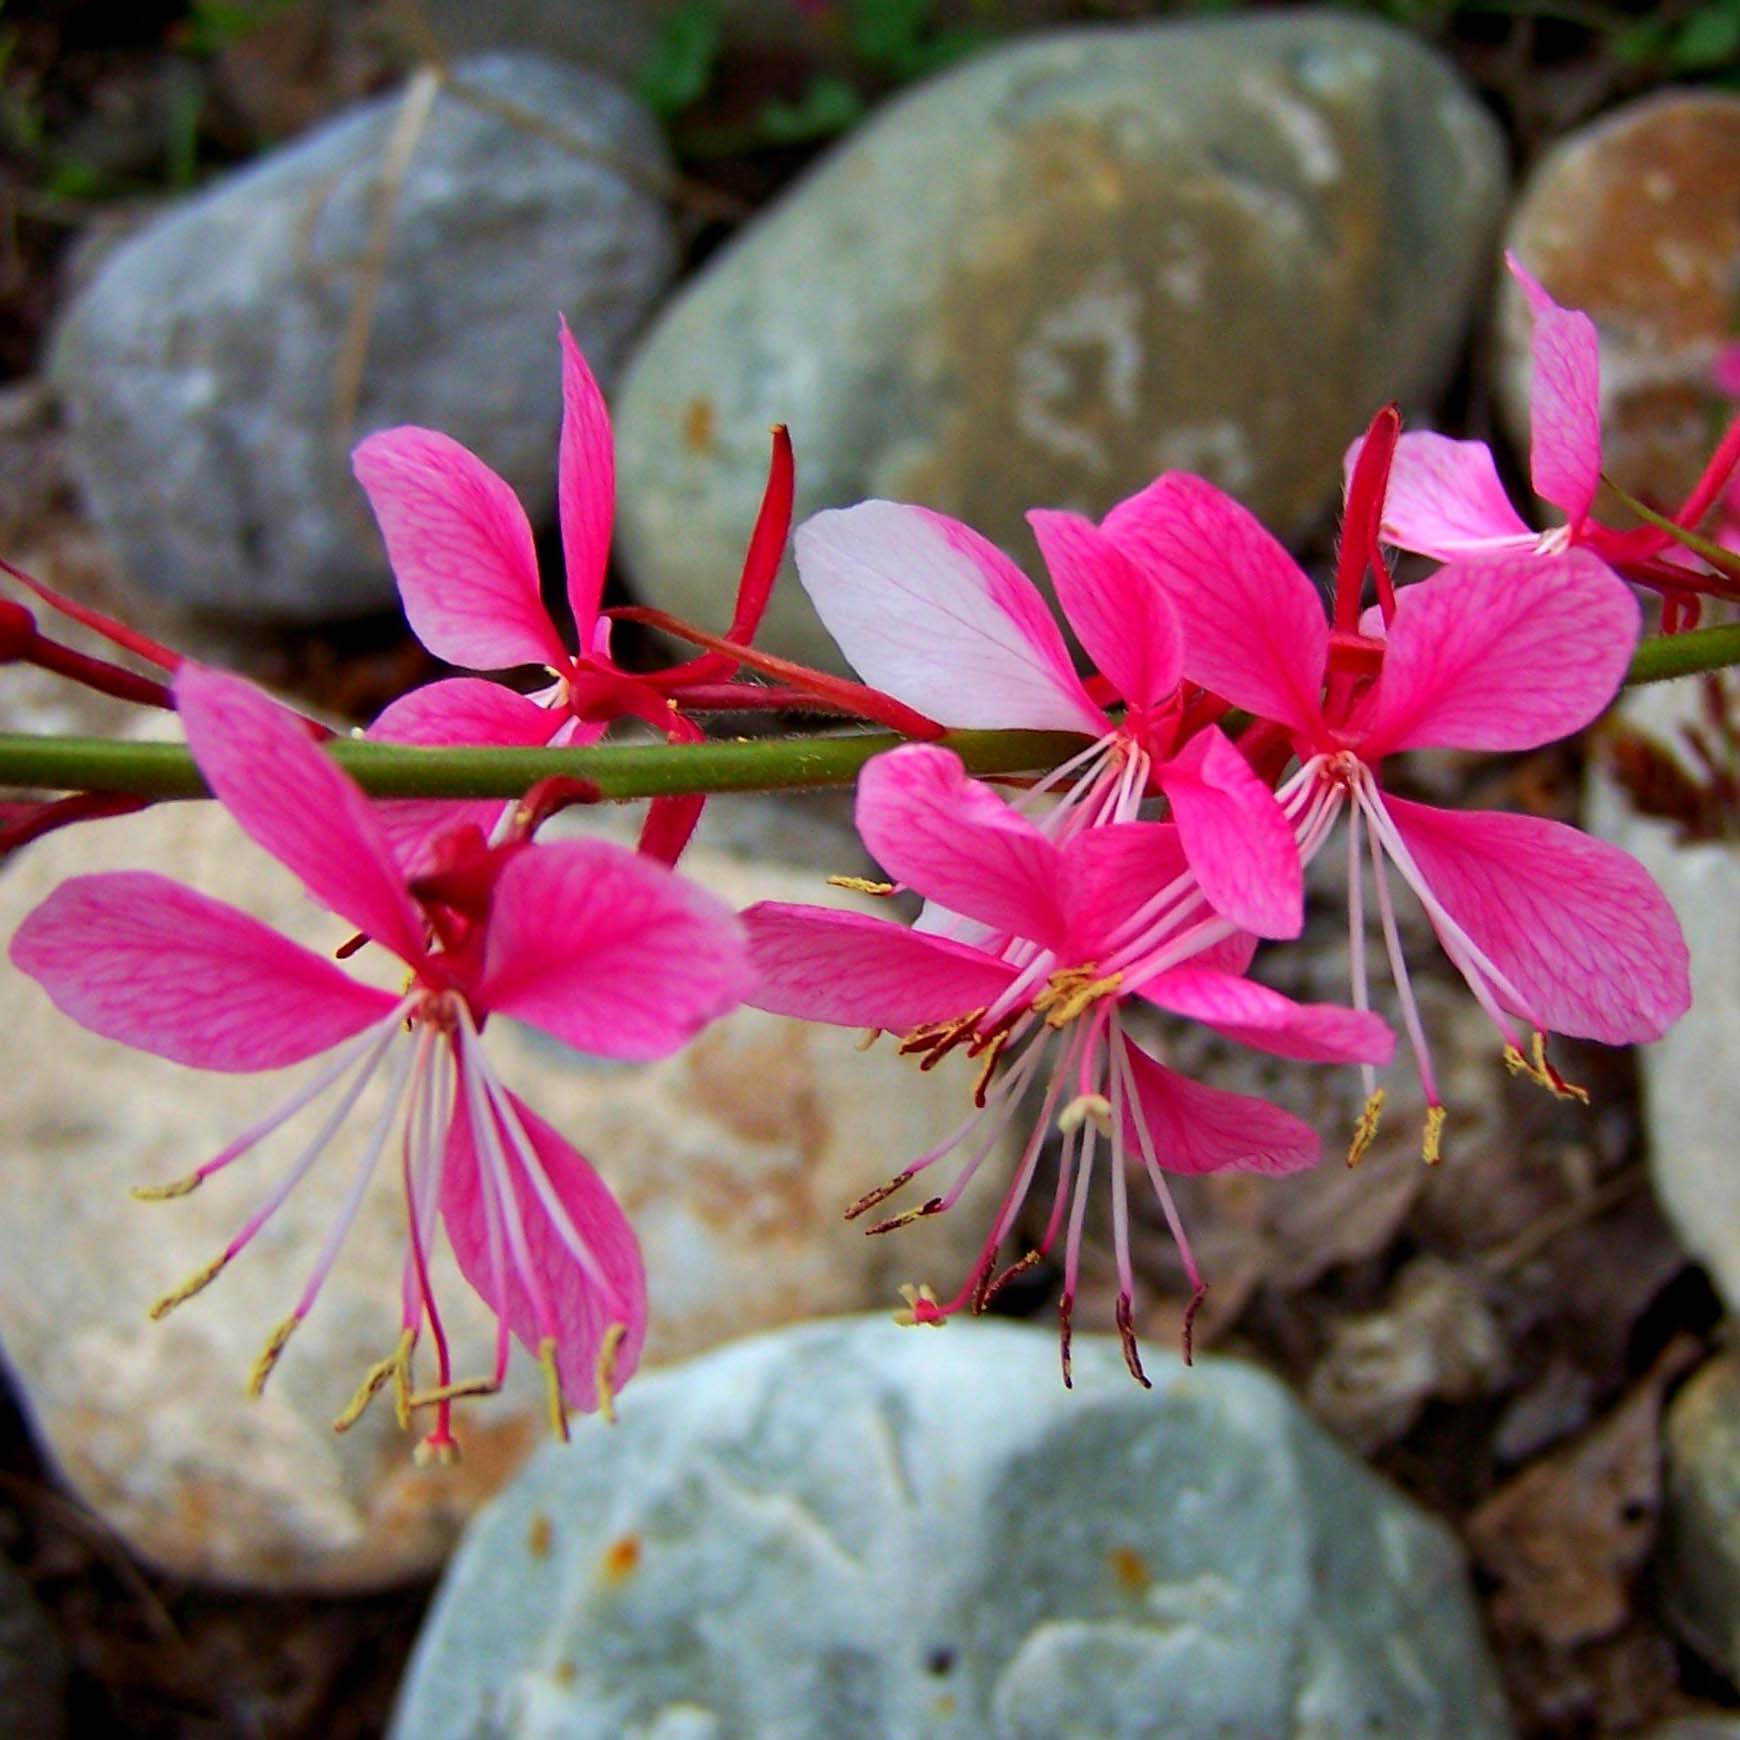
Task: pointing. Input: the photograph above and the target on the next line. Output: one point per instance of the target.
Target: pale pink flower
(461, 549)
(931, 613)
(1546, 925)
(1077, 928)
(595, 945)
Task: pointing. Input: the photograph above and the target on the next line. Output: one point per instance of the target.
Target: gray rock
(201, 368)
(855, 1532)
(1691, 1091)
(1079, 260)
(1699, 1556)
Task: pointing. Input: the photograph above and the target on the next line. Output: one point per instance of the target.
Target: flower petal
(926, 609)
(1119, 611)
(1254, 628)
(1507, 653)
(1197, 1129)
(1444, 499)
(139, 958)
(1239, 844)
(956, 842)
(608, 951)
(294, 801)
(585, 484)
(460, 710)
(1564, 400)
(1578, 926)
(461, 549)
(1252, 1014)
(856, 970)
(585, 1303)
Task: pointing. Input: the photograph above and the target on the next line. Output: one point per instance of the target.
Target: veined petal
(1444, 499)
(586, 1301)
(930, 612)
(1578, 927)
(1254, 628)
(608, 951)
(1239, 844)
(1506, 653)
(1119, 611)
(458, 711)
(1564, 400)
(292, 799)
(139, 958)
(955, 841)
(1196, 1128)
(1254, 1015)
(461, 549)
(585, 484)
(855, 970)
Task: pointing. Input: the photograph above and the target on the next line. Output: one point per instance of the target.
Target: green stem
(620, 771)
(636, 770)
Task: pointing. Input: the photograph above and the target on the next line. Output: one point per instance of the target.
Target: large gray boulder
(850, 1531)
(1076, 261)
(201, 369)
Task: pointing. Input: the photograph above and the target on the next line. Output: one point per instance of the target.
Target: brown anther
(1431, 1138)
(936, 1039)
(1190, 1312)
(604, 1372)
(861, 885)
(553, 1388)
(1065, 1311)
(991, 1052)
(933, 1206)
(1127, 1335)
(998, 1282)
(167, 1192)
(881, 1193)
(1366, 1129)
(270, 1353)
(868, 1038)
(193, 1284)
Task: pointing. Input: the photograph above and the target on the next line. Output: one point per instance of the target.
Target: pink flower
(461, 548)
(593, 944)
(1546, 925)
(1073, 929)
(1445, 499)
(933, 614)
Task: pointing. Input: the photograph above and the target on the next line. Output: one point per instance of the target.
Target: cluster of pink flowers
(1229, 724)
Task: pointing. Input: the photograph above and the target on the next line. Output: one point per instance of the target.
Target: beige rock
(1633, 219)
(734, 1160)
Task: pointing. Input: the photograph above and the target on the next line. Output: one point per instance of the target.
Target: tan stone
(734, 1159)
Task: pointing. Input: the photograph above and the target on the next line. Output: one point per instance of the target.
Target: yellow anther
(166, 1192)
(1542, 1073)
(193, 1284)
(436, 1452)
(1430, 1151)
(1072, 991)
(917, 1298)
(275, 1344)
(1083, 1107)
(933, 1205)
(861, 885)
(553, 1388)
(605, 1372)
(992, 1052)
(375, 1380)
(453, 1392)
(1365, 1131)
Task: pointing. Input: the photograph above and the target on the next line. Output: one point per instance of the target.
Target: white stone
(851, 1531)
